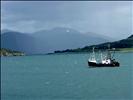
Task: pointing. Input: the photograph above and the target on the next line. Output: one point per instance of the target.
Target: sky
(110, 18)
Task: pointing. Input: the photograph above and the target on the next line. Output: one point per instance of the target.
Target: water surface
(65, 77)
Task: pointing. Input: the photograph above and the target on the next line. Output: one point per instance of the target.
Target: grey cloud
(102, 17)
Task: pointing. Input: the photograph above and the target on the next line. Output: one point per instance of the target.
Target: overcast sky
(109, 18)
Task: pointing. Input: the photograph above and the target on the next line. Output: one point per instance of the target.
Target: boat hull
(93, 64)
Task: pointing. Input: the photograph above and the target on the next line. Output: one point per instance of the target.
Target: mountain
(18, 41)
(124, 43)
(130, 37)
(64, 38)
(47, 41)
(5, 30)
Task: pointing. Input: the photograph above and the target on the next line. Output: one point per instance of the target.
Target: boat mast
(93, 56)
(101, 57)
(108, 53)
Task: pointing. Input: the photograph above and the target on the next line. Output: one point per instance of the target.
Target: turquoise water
(65, 77)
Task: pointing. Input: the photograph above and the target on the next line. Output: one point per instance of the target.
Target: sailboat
(108, 61)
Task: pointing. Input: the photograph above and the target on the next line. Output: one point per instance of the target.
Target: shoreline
(121, 50)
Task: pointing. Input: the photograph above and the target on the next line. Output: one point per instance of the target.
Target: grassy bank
(125, 49)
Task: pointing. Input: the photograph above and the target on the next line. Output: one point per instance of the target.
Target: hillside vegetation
(7, 52)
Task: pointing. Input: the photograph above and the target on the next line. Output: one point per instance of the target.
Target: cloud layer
(111, 18)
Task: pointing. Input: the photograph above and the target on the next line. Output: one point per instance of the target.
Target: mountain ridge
(124, 43)
(17, 41)
(46, 41)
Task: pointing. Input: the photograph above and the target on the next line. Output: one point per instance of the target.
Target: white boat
(108, 61)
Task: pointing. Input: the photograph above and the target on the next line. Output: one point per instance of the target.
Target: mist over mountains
(47, 41)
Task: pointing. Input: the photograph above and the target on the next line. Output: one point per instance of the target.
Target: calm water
(65, 77)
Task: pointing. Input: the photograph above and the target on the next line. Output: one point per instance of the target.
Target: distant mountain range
(118, 45)
(47, 41)
(64, 38)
